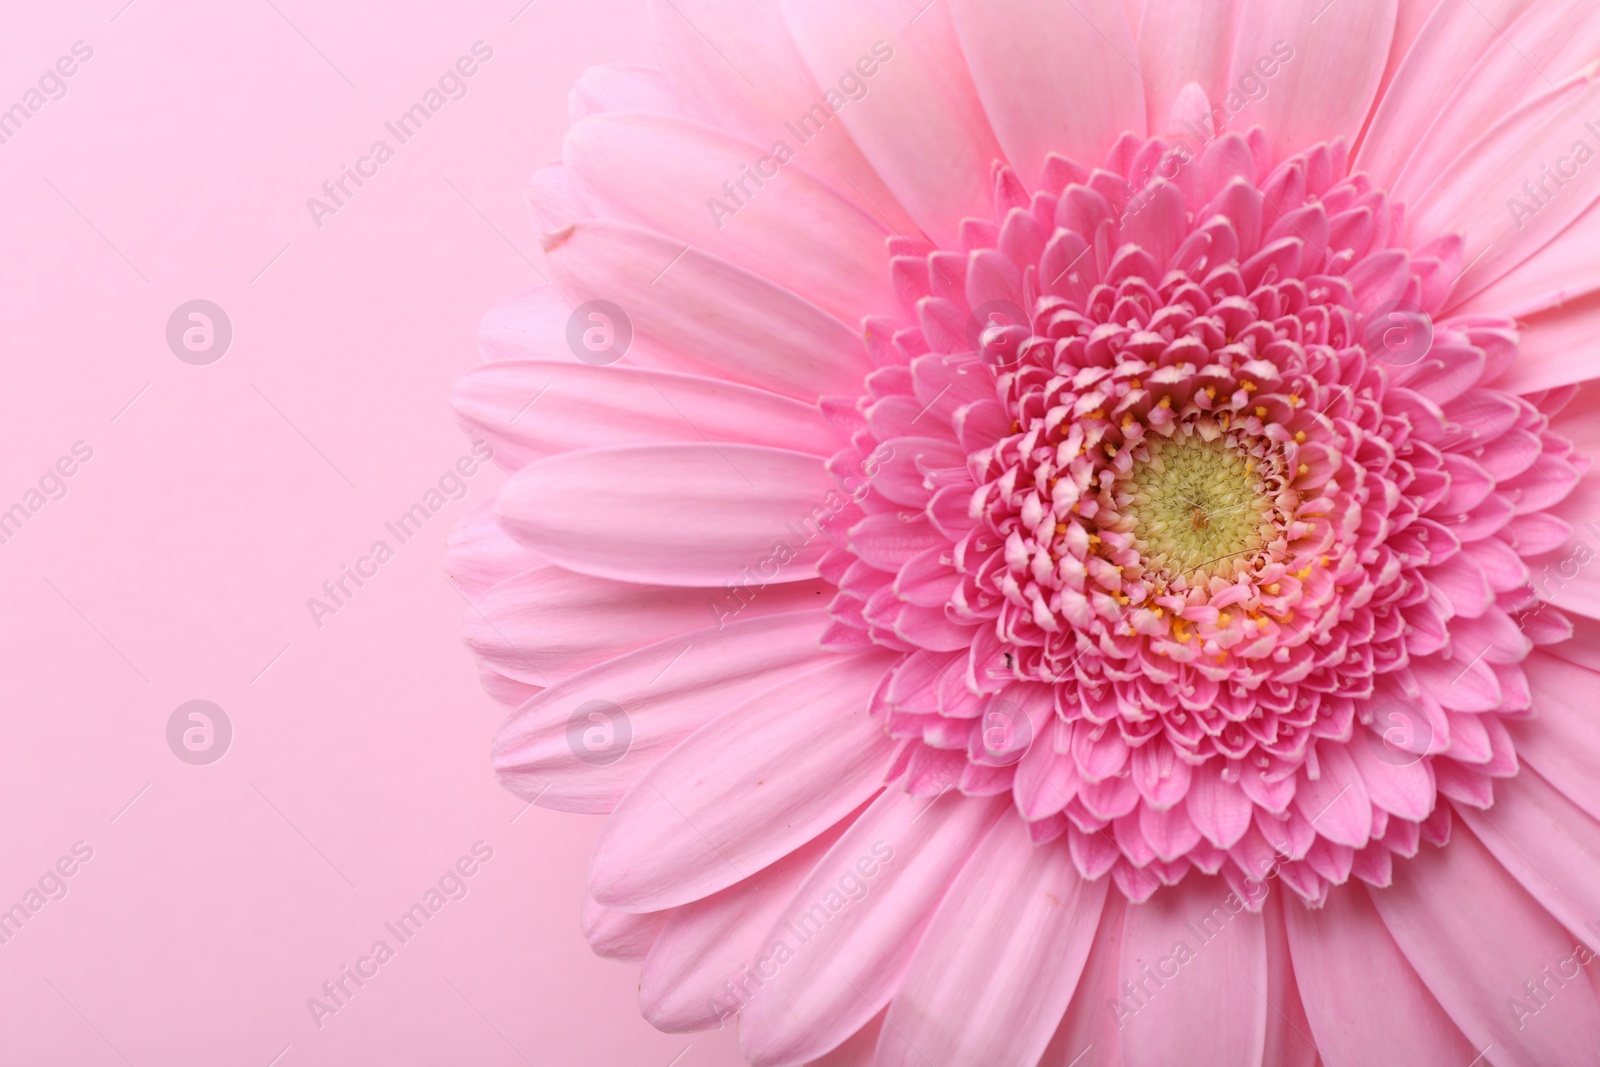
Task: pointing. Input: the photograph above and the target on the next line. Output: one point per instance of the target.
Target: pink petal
(621, 935)
(1182, 41)
(547, 624)
(1289, 1042)
(684, 514)
(713, 955)
(734, 65)
(1091, 1023)
(792, 229)
(1548, 844)
(1219, 809)
(1052, 77)
(481, 553)
(529, 408)
(1328, 86)
(1474, 936)
(1524, 61)
(1364, 1002)
(921, 125)
(1469, 196)
(1562, 739)
(749, 787)
(709, 313)
(1336, 804)
(856, 952)
(1447, 42)
(620, 87)
(666, 691)
(1001, 958)
(1192, 947)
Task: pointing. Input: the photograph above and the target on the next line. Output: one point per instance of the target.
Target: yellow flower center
(1198, 504)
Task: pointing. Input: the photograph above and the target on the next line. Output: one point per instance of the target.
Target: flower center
(1197, 504)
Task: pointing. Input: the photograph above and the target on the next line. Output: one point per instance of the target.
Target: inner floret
(1196, 505)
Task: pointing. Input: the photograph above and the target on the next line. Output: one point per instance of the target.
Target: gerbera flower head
(1066, 470)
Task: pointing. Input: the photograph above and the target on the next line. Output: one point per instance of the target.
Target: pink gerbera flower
(1059, 532)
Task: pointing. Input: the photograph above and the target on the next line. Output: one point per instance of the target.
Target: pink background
(178, 565)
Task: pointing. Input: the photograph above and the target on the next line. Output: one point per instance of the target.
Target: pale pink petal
(532, 408)
(1448, 41)
(1001, 958)
(1562, 739)
(1474, 936)
(1548, 843)
(1327, 86)
(858, 1050)
(553, 202)
(621, 87)
(1090, 1032)
(858, 954)
(733, 64)
(554, 749)
(791, 229)
(1549, 42)
(712, 315)
(1554, 349)
(1191, 947)
(1060, 78)
(1288, 1042)
(546, 624)
(621, 935)
(921, 126)
(715, 955)
(749, 787)
(686, 514)
(1364, 1002)
(1183, 41)
(1470, 195)
(481, 554)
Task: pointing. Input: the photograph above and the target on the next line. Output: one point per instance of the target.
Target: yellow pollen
(1136, 383)
(1304, 469)
(1261, 412)
(1248, 387)
(1166, 402)
(1299, 437)
(1272, 590)
(1211, 392)
(1061, 528)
